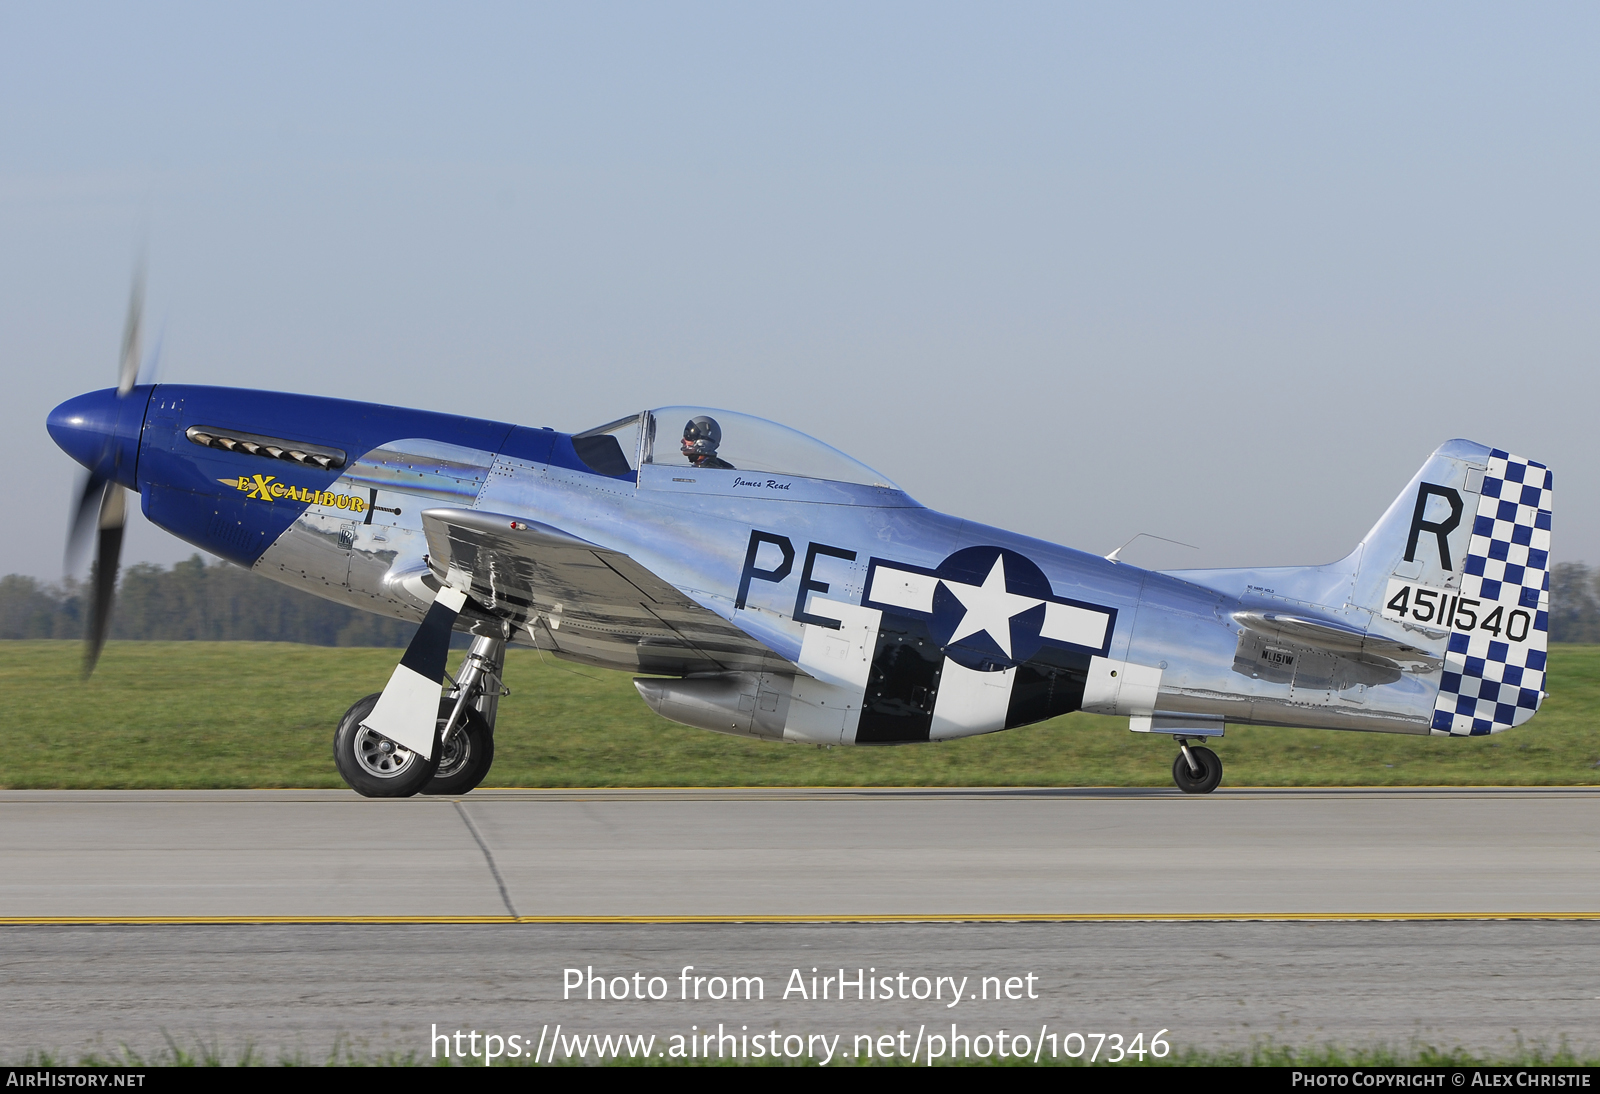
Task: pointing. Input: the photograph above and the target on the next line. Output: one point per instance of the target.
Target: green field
(239, 714)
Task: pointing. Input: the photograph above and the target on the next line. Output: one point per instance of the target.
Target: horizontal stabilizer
(1332, 636)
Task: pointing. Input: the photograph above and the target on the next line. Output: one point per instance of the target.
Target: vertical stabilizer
(1464, 554)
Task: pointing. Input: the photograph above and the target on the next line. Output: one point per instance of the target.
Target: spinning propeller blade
(85, 513)
(128, 369)
(108, 551)
(106, 502)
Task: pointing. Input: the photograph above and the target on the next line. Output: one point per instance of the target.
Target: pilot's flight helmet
(701, 436)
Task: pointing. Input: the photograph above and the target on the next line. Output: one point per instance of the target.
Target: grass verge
(239, 714)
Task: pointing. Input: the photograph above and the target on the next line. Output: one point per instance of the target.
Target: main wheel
(1210, 771)
(373, 765)
(465, 758)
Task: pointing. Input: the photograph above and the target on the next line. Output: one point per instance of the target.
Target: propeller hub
(101, 431)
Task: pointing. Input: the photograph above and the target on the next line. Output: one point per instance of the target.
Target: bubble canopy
(742, 442)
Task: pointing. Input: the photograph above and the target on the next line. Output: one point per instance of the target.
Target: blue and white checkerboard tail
(1459, 565)
(1494, 672)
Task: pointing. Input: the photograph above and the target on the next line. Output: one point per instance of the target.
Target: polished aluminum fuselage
(1180, 629)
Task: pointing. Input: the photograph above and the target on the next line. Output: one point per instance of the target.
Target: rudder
(1466, 550)
(1495, 681)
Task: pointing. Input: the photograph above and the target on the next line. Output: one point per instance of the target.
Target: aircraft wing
(1330, 636)
(583, 601)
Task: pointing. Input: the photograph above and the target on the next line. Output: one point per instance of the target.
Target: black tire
(371, 772)
(465, 762)
(1210, 771)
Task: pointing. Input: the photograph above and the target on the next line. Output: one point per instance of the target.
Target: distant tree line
(194, 602)
(1574, 603)
(224, 603)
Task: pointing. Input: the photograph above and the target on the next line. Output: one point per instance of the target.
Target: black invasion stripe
(1049, 684)
(430, 647)
(903, 684)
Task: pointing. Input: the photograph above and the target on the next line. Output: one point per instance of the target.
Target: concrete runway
(380, 988)
(1200, 875)
(798, 853)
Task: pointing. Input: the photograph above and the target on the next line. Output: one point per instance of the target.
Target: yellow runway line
(643, 920)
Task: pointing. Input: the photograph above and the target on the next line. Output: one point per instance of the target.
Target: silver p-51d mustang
(765, 584)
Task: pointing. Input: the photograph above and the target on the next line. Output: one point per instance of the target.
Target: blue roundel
(989, 608)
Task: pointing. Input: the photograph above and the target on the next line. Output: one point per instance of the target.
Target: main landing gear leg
(1197, 770)
(378, 767)
(466, 720)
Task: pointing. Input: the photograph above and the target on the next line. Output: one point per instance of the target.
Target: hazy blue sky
(1223, 273)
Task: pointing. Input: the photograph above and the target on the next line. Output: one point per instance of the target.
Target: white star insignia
(989, 607)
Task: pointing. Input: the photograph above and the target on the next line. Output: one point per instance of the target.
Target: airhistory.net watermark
(555, 1044)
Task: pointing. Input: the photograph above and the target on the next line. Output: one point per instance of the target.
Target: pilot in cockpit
(701, 436)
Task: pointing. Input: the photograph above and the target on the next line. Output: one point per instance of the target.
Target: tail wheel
(373, 765)
(465, 758)
(1206, 779)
